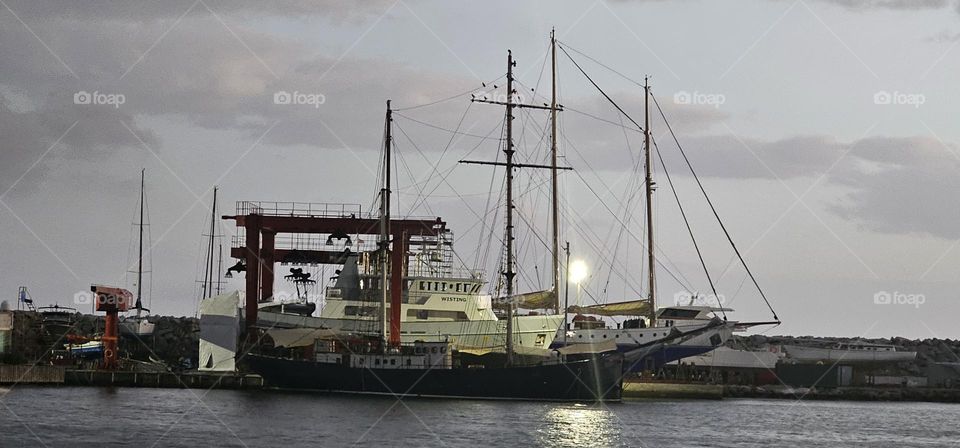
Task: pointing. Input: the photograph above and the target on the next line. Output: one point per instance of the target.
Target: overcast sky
(824, 131)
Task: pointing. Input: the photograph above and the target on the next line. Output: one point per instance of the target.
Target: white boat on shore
(849, 352)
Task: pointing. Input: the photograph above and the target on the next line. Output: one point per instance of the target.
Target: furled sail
(536, 300)
(629, 308)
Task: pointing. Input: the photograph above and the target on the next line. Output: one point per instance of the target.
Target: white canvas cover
(219, 331)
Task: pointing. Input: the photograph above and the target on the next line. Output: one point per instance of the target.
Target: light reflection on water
(580, 425)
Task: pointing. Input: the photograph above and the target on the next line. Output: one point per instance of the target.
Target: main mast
(509, 274)
(651, 279)
(553, 172)
(385, 226)
(140, 251)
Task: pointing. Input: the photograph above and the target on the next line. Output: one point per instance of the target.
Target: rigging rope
(689, 230)
(614, 103)
(714, 210)
(444, 99)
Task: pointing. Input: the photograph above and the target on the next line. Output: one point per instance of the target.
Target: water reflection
(580, 425)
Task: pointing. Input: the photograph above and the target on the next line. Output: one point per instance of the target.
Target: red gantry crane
(112, 301)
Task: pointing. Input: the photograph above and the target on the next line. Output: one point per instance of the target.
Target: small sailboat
(139, 324)
(84, 348)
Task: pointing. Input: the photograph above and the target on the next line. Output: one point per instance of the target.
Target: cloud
(895, 185)
(143, 11)
(904, 186)
(891, 4)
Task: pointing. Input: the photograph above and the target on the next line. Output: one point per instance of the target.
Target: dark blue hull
(665, 355)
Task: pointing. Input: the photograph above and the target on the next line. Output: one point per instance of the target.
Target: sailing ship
(139, 324)
(691, 329)
(363, 364)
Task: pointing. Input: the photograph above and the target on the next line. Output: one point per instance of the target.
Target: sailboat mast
(385, 225)
(140, 251)
(651, 279)
(208, 276)
(509, 274)
(553, 172)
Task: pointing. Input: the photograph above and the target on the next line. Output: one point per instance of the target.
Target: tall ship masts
(651, 260)
(509, 273)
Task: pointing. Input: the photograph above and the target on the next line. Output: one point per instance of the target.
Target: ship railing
(300, 209)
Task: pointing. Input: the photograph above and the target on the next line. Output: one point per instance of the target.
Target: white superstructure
(448, 307)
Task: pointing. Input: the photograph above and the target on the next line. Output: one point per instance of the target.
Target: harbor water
(143, 417)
